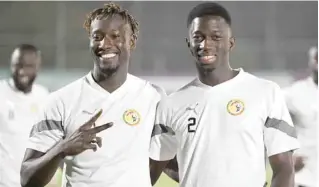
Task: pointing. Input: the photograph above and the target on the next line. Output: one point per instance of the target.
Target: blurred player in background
(220, 123)
(71, 126)
(302, 102)
(20, 99)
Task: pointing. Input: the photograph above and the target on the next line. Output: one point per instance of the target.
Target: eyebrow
(215, 31)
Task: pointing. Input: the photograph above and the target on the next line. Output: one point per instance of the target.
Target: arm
(156, 169)
(283, 170)
(169, 167)
(280, 140)
(163, 147)
(38, 168)
(171, 170)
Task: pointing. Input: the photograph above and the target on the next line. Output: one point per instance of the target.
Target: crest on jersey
(235, 107)
(131, 117)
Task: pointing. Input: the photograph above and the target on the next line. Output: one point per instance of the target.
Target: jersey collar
(123, 88)
(228, 83)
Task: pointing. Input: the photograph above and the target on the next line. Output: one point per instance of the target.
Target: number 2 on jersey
(191, 124)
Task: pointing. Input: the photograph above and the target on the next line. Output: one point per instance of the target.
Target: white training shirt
(17, 114)
(220, 133)
(302, 102)
(123, 159)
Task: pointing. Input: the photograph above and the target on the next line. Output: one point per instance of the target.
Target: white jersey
(17, 115)
(123, 160)
(220, 133)
(302, 102)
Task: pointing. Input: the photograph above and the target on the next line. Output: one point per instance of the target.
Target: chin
(23, 86)
(110, 70)
(206, 66)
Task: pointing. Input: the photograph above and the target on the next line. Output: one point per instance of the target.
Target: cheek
(124, 43)
(30, 71)
(194, 46)
(120, 44)
(223, 46)
(33, 70)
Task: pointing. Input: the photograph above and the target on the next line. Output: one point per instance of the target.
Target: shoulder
(185, 95)
(62, 97)
(149, 87)
(258, 82)
(4, 84)
(262, 87)
(41, 90)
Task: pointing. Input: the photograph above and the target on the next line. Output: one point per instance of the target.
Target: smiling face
(24, 68)
(210, 41)
(111, 42)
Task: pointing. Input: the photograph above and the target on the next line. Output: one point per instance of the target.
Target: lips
(106, 55)
(24, 79)
(207, 59)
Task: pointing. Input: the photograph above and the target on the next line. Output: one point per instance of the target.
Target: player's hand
(84, 138)
(299, 163)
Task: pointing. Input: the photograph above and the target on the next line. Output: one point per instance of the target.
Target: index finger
(89, 123)
(98, 129)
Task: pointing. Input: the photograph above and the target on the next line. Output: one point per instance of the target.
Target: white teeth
(24, 79)
(109, 55)
(208, 57)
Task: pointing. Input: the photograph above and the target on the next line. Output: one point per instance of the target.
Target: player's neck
(217, 76)
(110, 83)
(27, 90)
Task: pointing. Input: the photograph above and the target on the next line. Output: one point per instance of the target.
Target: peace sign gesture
(85, 137)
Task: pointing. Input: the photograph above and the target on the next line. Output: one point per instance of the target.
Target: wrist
(61, 149)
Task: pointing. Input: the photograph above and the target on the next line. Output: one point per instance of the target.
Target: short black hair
(208, 8)
(28, 48)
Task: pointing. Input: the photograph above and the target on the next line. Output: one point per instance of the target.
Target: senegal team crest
(131, 117)
(235, 107)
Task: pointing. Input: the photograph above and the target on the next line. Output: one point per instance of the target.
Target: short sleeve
(48, 127)
(279, 131)
(163, 142)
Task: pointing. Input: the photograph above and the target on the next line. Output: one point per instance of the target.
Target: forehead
(209, 23)
(114, 22)
(25, 57)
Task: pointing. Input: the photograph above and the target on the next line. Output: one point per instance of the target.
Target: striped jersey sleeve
(163, 142)
(48, 128)
(279, 132)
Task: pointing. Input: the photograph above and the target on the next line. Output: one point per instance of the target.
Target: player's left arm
(280, 140)
(169, 167)
(163, 146)
(283, 169)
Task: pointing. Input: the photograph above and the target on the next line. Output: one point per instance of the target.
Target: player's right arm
(280, 140)
(38, 168)
(163, 145)
(48, 147)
